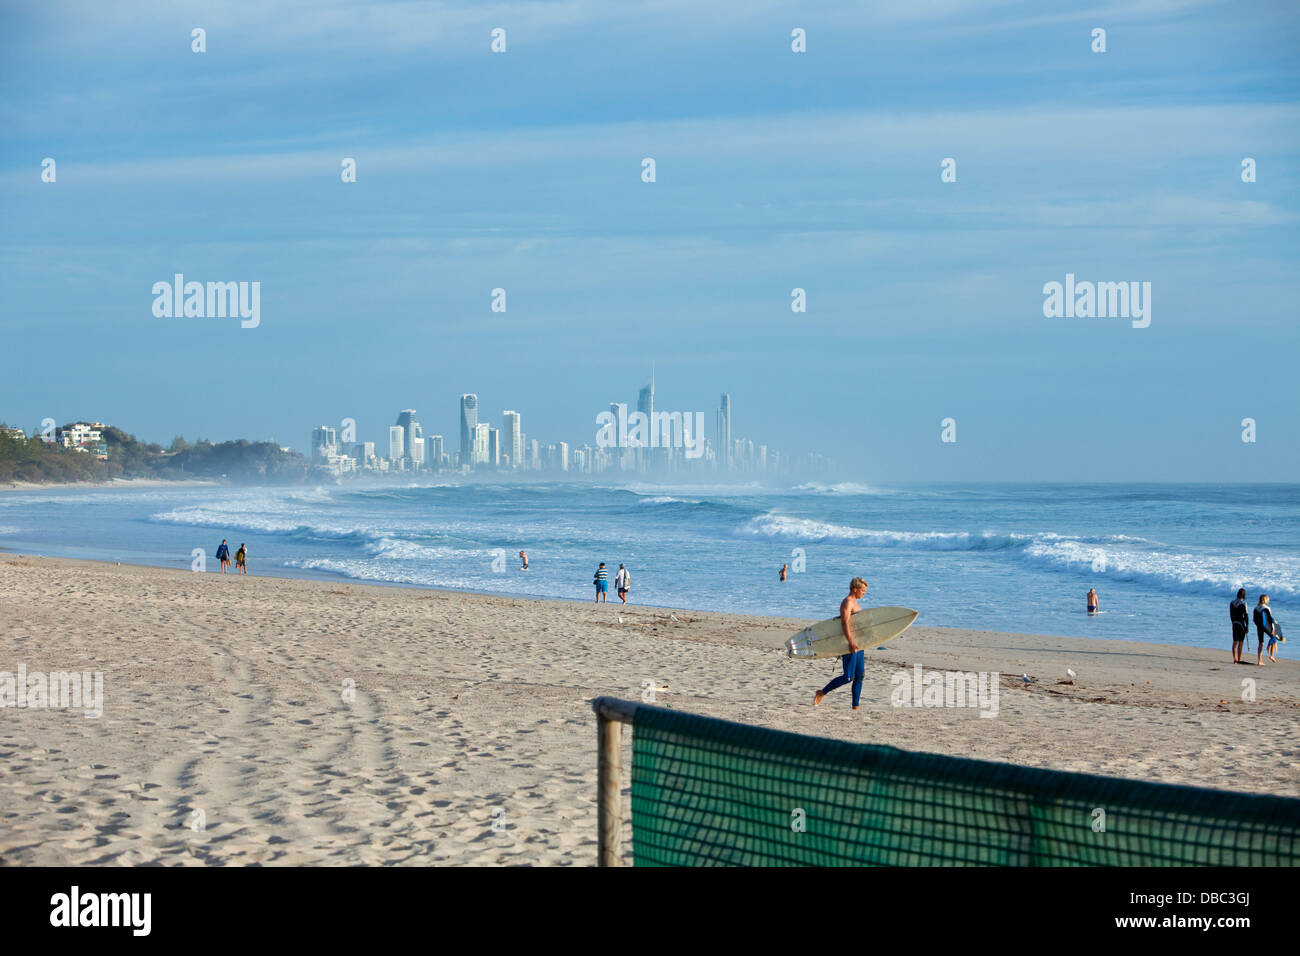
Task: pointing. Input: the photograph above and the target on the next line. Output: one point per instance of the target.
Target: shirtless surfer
(854, 662)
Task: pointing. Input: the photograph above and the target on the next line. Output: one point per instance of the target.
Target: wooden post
(609, 780)
(611, 715)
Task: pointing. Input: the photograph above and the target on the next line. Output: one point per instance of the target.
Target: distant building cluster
(85, 437)
(486, 447)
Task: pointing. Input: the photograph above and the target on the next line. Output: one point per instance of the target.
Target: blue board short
(602, 586)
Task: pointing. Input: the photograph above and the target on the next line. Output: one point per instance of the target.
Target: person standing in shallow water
(1092, 601)
(601, 580)
(783, 568)
(854, 662)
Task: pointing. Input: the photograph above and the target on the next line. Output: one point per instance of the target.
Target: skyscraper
(494, 447)
(512, 438)
(645, 400)
(478, 454)
(563, 463)
(396, 442)
(406, 421)
(433, 446)
(323, 444)
(724, 433)
(623, 455)
(468, 422)
(645, 404)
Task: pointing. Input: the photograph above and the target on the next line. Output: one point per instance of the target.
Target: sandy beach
(317, 722)
(115, 483)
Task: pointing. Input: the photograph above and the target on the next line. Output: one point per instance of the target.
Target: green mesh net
(711, 792)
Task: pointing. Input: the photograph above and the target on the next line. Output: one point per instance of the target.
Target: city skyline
(509, 448)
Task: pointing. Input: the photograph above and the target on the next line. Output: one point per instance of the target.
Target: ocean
(1165, 559)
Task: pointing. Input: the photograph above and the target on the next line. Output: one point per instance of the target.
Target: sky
(775, 170)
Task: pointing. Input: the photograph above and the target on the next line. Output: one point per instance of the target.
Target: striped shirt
(602, 575)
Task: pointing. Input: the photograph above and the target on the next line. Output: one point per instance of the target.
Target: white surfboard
(871, 628)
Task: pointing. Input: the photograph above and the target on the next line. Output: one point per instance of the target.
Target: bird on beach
(1026, 679)
(1070, 674)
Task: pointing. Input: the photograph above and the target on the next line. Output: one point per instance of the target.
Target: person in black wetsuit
(1264, 629)
(1240, 624)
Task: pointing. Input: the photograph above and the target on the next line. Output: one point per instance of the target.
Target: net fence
(712, 792)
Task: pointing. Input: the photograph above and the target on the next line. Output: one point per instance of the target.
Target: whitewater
(1165, 559)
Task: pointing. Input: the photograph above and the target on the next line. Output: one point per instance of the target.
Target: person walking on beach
(524, 558)
(854, 662)
(1092, 600)
(1240, 624)
(241, 559)
(601, 580)
(223, 555)
(622, 581)
(1264, 628)
(783, 567)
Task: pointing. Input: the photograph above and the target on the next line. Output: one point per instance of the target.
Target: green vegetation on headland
(36, 459)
